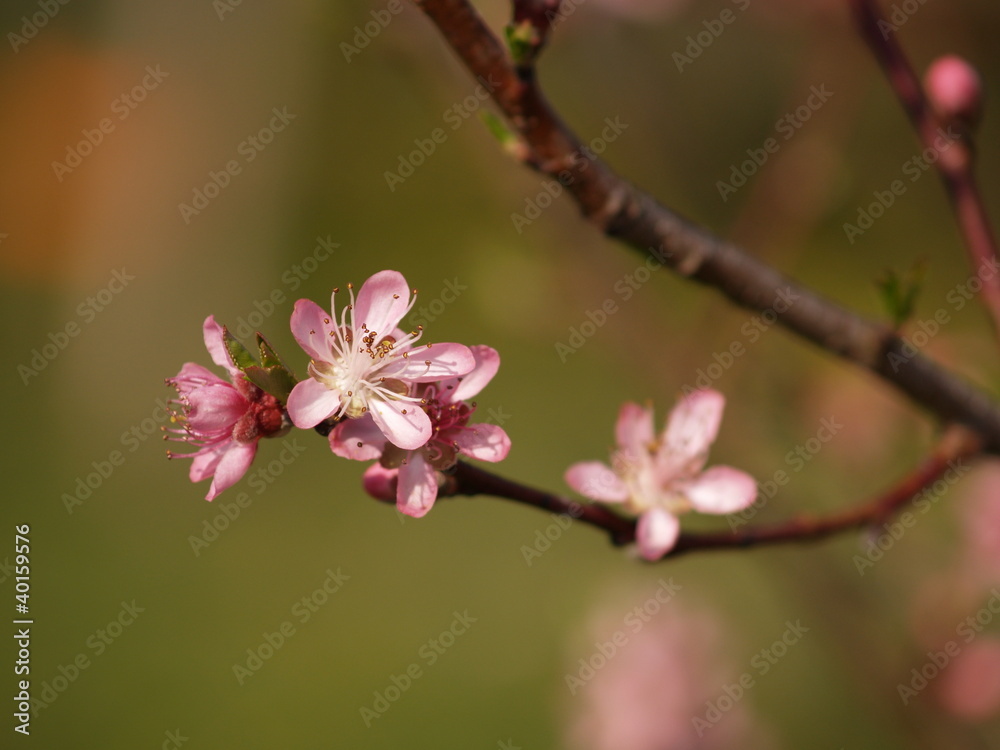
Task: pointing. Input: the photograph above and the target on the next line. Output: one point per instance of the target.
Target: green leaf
(498, 128)
(899, 292)
(268, 357)
(239, 354)
(522, 40)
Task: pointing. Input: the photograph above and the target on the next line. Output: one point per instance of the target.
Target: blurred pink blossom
(648, 693)
(970, 686)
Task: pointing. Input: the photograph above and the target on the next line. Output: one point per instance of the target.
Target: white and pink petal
(486, 442)
(597, 481)
(721, 490)
(310, 402)
(403, 423)
(382, 302)
(358, 439)
(656, 533)
(417, 487)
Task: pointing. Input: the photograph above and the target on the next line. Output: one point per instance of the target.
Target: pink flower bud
(955, 90)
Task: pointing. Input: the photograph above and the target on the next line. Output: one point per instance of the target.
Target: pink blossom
(224, 420)
(366, 365)
(659, 478)
(411, 476)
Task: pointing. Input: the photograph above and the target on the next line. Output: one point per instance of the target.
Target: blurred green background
(228, 66)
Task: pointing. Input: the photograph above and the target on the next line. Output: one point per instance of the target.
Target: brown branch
(955, 163)
(957, 445)
(620, 210)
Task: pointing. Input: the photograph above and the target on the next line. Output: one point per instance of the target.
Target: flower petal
(634, 429)
(311, 326)
(380, 483)
(205, 461)
(382, 302)
(656, 533)
(194, 376)
(212, 332)
(215, 407)
(417, 488)
(232, 467)
(359, 439)
(487, 362)
(721, 490)
(310, 402)
(430, 362)
(597, 481)
(691, 429)
(487, 442)
(408, 431)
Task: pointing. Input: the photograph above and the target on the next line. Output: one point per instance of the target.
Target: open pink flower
(223, 419)
(366, 365)
(410, 476)
(661, 478)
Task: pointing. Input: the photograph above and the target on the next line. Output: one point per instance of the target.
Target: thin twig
(955, 160)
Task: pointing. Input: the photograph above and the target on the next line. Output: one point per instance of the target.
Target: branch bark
(622, 211)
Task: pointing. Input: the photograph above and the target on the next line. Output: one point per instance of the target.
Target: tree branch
(620, 210)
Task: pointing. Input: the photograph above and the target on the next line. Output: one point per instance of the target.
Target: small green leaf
(899, 292)
(498, 128)
(268, 357)
(241, 357)
(522, 40)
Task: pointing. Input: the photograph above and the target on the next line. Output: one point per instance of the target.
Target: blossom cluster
(389, 397)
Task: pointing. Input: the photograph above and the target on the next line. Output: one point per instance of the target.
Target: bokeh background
(167, 679)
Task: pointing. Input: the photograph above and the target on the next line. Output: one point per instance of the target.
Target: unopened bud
(955, 90)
